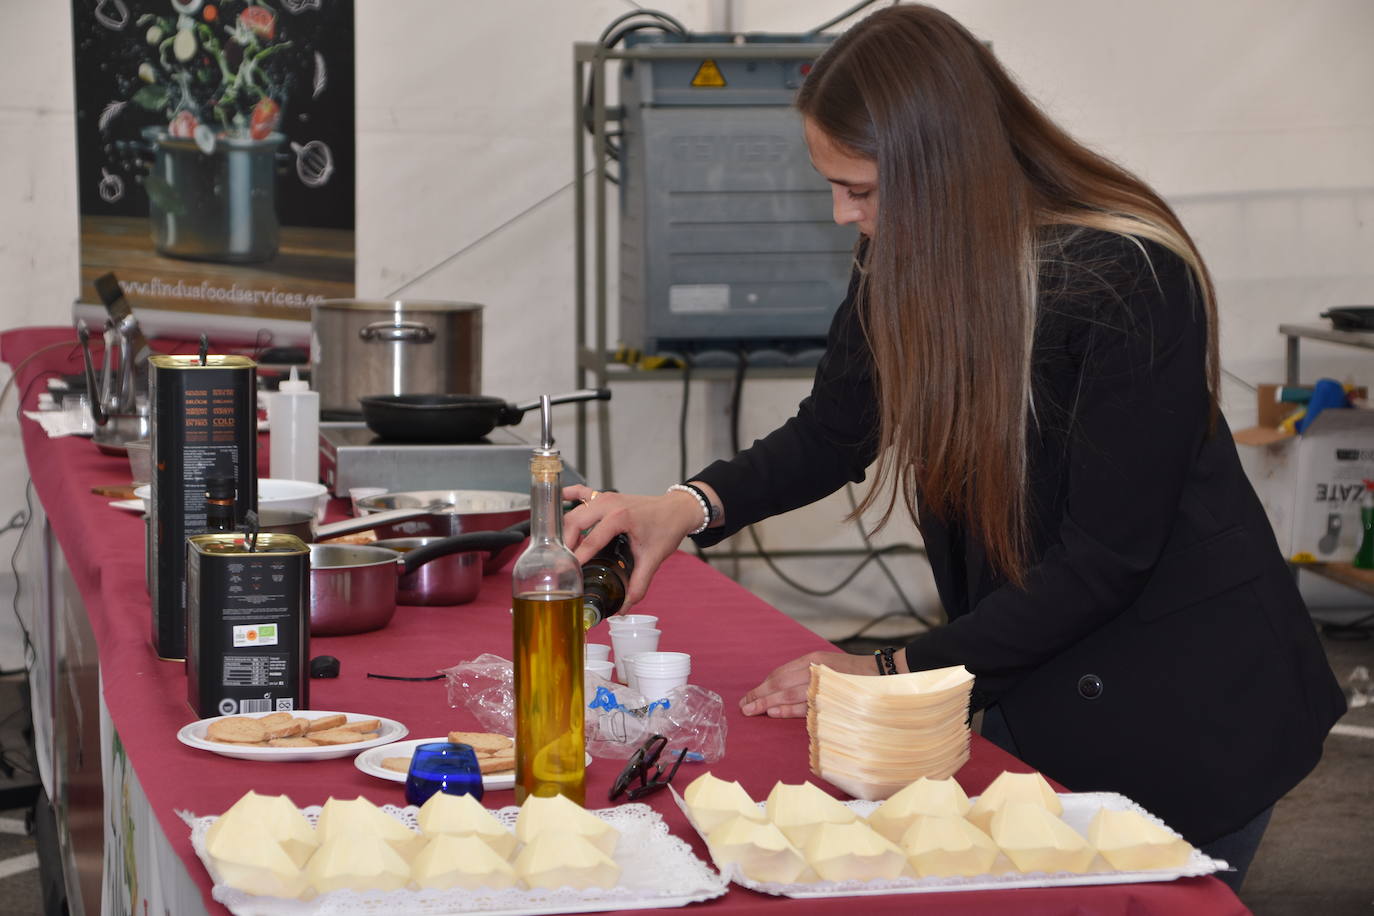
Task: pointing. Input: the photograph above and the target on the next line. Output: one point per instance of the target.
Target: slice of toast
(238, 729)
(324, 723)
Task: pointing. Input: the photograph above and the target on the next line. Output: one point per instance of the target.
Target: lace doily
(1079, 808)
(657, 869)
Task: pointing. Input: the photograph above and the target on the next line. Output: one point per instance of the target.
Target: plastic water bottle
(293, 427)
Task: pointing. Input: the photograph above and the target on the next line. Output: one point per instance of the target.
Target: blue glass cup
(441, 766)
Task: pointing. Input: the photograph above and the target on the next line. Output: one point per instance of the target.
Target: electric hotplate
(351, 455)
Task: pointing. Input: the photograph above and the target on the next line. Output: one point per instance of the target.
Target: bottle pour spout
(545, 424)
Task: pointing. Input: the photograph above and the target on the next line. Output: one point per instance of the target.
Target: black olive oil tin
(247, 624)
(204, 415)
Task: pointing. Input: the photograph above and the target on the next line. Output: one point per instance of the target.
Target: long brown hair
(969, 171)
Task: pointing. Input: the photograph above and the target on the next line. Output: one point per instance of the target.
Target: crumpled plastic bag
(486, 686)
(617, 720)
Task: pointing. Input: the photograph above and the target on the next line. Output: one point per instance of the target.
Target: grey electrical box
(726, 235)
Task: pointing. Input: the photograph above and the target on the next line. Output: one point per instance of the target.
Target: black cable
(1350, 632)
(610, 37)
(835, 20)
(9, 383)
(30, 653)
(875, 554)
(673, 24)
(682, 419)
(882, 564)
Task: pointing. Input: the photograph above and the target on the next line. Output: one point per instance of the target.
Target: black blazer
(1160, 648)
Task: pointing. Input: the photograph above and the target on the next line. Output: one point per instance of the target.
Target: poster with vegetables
(215, 152)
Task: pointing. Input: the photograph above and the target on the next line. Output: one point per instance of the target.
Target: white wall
(1253, 117)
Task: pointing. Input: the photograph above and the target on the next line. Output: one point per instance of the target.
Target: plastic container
(656, 673)
(293, 423)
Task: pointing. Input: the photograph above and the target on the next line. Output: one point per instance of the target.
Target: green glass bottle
(1364, 557)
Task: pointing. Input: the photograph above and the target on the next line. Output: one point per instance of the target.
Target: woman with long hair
(1027, 362)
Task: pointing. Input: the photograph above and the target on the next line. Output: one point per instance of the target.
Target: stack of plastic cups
(656, 673)
(628, 642)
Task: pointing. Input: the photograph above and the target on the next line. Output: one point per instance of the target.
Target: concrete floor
(1317, 858)
(19, 884)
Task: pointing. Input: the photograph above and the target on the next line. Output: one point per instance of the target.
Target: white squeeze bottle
(293, 431)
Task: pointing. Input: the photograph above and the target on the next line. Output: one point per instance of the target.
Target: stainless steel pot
(438, 513)
(288, 521)
(454, 579)
(354, 588)
(360, 347)
(216, 206)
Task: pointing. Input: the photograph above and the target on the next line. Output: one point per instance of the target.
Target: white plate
(193, 735)
(370, 762)
(129, 505)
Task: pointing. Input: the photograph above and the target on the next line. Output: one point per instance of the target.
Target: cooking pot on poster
(211, 203)
(402, 346)
(355, 588)
(437, 513)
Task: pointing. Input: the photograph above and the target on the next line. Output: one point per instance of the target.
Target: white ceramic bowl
(275, 494)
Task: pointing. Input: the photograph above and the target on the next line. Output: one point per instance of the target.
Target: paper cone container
(853, 852)
(1130, 842)
(1036, 840)
(947, 846)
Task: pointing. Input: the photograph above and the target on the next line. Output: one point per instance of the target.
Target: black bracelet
(883, 657)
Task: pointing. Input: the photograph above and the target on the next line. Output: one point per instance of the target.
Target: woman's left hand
(783, 693)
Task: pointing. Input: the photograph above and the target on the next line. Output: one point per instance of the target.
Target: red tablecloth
(734, 639)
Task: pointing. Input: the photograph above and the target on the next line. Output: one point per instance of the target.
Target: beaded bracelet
(883, 658)
(701, 498)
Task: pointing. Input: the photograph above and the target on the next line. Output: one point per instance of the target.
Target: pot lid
(398, 306)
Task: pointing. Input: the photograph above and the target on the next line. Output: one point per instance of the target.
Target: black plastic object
(287, 356)
(451, 417)
(324, 666)
(1351, 317)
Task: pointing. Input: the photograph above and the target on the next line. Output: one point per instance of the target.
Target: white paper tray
(657, 870)
(1079, 808)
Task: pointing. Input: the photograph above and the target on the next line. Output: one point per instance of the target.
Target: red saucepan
(452, 417)
(437, 513)
(354, 587)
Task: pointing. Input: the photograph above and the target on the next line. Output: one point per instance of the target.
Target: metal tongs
(109, 397)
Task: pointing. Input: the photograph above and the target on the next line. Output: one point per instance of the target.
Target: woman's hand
(783, 693)
(656, 526)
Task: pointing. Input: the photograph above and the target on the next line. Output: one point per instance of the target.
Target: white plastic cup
(602, 668)
(616, 621)
(629, 641)
(76, 409)
(357, 493)
(656, 673)
(598, 652)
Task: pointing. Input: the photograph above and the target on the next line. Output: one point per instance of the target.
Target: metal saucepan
(452, 417)
(452, 579)
(288, 521)
(354, 588)
(437, 513)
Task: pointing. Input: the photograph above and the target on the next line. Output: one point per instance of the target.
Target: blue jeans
(1237, 848)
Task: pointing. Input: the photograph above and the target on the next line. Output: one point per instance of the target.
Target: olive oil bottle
(547, 590)
(605, 580)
